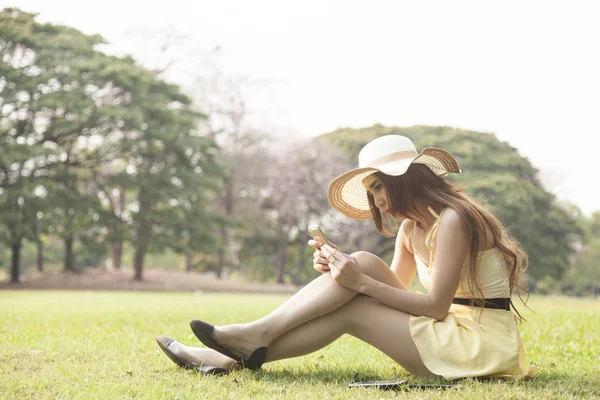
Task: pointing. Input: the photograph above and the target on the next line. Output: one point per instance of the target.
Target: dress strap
(430, 238)
(436, 215)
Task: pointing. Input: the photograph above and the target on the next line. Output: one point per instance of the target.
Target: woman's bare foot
(197, 356)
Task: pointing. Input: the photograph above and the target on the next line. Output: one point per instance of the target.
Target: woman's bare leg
(379, 325)
(323, 311)
(320, 297)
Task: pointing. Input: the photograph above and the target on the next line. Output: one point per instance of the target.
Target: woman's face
(380, 196)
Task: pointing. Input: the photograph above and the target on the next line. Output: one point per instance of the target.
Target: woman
(463, 326)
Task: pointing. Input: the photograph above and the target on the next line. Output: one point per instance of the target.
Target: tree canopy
(80, 129)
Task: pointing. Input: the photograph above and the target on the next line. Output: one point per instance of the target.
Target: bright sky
(528, 71)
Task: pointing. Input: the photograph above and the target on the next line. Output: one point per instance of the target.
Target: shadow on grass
(314, 375)
(564, 385)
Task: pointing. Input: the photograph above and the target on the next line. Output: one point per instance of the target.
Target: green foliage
(54, 98)
(592, 226)
(583, 277)
(78, 125)
(501, 179)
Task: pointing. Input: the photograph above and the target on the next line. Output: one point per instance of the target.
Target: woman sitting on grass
(470, 265)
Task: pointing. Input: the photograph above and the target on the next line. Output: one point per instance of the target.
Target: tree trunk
(40, 256)
(282, 249)
(117, 253)
(116, 250)
(69, 260)
(15, 268)
(138, 261)
(141, 246)
(142, 237)
(221, 259)
(227, 203)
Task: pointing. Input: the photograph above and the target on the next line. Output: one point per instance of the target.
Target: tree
(221, 97)
(58, 94)
(71, 113)
(170, 164)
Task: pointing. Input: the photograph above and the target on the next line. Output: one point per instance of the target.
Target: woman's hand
(344, 268)
(320, 263)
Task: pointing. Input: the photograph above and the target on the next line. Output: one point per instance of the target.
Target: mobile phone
(383, 385)
(399, 384)
(317, 234)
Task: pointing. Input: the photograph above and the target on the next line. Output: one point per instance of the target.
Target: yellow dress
(471, 341)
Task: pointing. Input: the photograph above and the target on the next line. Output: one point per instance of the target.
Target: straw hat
(392, 155)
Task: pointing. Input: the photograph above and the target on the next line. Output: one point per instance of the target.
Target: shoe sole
(187, 365)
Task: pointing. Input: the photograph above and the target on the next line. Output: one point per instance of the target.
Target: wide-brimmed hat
(392, 155)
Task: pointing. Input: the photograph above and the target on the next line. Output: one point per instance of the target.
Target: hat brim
(347, 194)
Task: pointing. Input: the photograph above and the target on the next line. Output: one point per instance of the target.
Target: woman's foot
(233, 341)
(203, 360)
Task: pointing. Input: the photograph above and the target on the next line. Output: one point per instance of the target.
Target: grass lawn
(90, 345)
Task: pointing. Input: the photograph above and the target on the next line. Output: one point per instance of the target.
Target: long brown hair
(419, 186)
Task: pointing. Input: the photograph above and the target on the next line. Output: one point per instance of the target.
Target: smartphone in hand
(317, 234)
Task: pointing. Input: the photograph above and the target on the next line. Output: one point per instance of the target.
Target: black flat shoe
(204, 331)
(164, 342)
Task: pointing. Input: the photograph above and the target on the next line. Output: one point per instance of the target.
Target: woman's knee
(376, 268)
(368, 261)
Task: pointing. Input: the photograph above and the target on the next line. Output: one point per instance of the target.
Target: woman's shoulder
(450, 219)
(407, 227)
(450, 215)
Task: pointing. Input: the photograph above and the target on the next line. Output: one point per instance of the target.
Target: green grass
(86, 345)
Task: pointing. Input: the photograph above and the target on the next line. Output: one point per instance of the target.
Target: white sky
(529, 71)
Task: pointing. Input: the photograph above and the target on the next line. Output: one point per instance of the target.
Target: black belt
(498, 304)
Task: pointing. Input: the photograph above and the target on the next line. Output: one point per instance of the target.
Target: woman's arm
(451, 249)
(403, 264)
